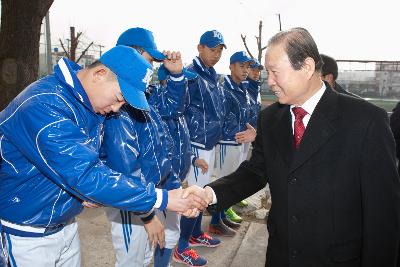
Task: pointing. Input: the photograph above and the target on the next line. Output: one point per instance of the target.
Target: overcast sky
(344, 29)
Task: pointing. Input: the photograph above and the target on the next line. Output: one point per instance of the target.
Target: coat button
(293, 180)
(293, 254)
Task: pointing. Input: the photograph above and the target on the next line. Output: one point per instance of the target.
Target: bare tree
(259, 43)
(70, 51)
(19, 45)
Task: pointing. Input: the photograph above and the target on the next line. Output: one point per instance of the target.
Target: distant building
(388, 79)
(388, 66)
(377, 79)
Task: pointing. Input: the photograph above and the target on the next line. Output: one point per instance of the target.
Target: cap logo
(147, 77)
(217, 34)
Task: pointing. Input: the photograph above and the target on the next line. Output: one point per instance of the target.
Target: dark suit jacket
(335, 201)
(395, 126)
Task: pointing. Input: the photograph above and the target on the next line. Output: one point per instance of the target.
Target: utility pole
(100, 47)
(48, 45)
(280, 25)
(74, 43)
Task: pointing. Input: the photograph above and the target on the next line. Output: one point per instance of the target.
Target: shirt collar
(242, 86)
(197, 61)
(312, 102)
(202, 68)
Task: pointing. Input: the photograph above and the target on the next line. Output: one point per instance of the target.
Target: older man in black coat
(331, 171)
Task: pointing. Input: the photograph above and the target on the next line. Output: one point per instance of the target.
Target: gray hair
(298, 45)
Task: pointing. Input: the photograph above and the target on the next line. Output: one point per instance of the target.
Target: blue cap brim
(242, 61)
(213, 44)
(248, 60)
(133, 96)
(257, 66)
(157, 55)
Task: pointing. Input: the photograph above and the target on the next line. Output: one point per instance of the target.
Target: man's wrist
(212, 195)
(147, 217)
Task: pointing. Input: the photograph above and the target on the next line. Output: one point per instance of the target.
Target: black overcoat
(335, 200)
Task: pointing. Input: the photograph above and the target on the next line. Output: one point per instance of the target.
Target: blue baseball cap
(256, 65)
(212, 39)
(241, 57)
(163, 73)
(133, 73)
(143, 38)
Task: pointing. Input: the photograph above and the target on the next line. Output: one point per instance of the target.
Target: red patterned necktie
(298, 126)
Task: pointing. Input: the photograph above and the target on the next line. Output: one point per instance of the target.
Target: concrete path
(247, 248)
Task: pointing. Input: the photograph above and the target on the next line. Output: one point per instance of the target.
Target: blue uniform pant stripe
(127, 227)
(10, 255)
(195, 169)
(123, 229)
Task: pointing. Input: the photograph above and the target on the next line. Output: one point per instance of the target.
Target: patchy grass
(386, 104)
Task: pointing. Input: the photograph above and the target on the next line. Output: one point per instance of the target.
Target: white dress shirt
(309, 106)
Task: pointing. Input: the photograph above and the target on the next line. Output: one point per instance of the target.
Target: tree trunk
(19, 45)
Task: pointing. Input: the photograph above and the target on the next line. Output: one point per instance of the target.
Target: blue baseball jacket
(205, 110)
(50, 139)
(255, 101)
(170, 100)
(237, 110)
(136, 141)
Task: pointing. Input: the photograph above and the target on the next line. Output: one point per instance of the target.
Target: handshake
(187, 202)
(190, 201)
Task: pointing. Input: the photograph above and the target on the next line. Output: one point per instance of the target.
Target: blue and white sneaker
(189, 257)
(204, 240)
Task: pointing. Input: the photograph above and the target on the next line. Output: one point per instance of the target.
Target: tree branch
(84, 52)
(258, 42)
(65, 50)
(245, 45)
